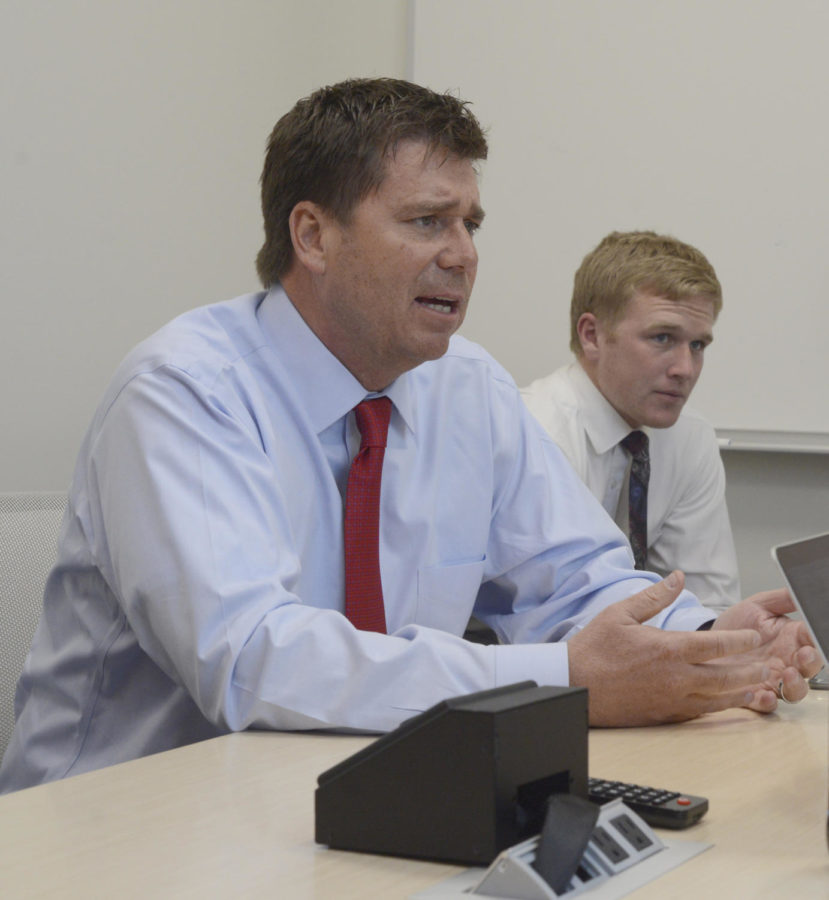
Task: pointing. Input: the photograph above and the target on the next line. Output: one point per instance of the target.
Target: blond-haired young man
(642, 315)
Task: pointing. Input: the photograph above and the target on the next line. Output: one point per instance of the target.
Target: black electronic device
(805, 566)
(461, 781)
(658, 807)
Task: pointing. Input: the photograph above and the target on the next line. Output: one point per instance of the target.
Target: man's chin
(433, 348)
(662, 419)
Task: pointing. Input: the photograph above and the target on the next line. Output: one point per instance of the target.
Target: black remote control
(659, 808)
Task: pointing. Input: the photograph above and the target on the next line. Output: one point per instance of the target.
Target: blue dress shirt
(199, 585)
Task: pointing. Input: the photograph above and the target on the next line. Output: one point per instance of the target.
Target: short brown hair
(626, 262)
(331, 149)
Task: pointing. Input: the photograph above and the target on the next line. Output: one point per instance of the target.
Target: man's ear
(588, 329)
(309, 224)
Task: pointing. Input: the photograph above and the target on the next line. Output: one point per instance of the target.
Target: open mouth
(438, 304)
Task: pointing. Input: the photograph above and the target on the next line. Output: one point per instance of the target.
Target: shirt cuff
(545, 664)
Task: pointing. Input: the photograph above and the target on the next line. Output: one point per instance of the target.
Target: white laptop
(805, 566)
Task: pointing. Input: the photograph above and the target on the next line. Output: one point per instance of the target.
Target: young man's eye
(472, 227)
(425, 221)
(661, 338)
(698, 346)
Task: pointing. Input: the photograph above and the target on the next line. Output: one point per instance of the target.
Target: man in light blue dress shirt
(199, 585)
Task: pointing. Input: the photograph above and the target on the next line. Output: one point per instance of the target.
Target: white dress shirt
(199, 581)
(688, 525)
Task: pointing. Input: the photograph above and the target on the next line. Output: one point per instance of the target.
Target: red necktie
(363, 589)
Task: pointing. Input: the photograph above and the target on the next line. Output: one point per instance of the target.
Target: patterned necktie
(636, 444)
(363, 588)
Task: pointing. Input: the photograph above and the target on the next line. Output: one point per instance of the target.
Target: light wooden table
(234, 817)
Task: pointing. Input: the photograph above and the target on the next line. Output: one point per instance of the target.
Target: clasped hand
(641, 675)
(785, 646)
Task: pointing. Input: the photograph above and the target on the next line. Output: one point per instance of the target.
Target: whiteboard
(708, 120)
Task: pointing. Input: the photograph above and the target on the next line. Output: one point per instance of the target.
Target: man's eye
(425, 221)
(661, 338)
(698, 346)
(472, 227)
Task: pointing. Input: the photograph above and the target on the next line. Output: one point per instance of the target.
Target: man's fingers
(778, 601)
(795, 688)
(725, 700)
(764, 701)
(728, 677)
(808, 662)
(702, 646)
(806, 658)
(646, 604)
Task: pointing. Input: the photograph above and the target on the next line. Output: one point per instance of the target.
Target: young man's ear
(587, 329)
(310, 225)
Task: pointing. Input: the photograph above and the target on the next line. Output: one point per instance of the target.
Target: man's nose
(459, 251)
(683, 362)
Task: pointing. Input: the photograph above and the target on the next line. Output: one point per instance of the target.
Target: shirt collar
(312, 365)
(604, 426)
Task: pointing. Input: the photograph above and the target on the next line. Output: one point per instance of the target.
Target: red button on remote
(683, 801)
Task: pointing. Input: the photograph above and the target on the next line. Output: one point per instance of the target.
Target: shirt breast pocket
(446, 595)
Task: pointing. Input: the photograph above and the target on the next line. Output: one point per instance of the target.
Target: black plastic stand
(463, 780)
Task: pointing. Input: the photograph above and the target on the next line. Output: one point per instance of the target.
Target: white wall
(704, 119)
(773, 498)
(132, 143)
